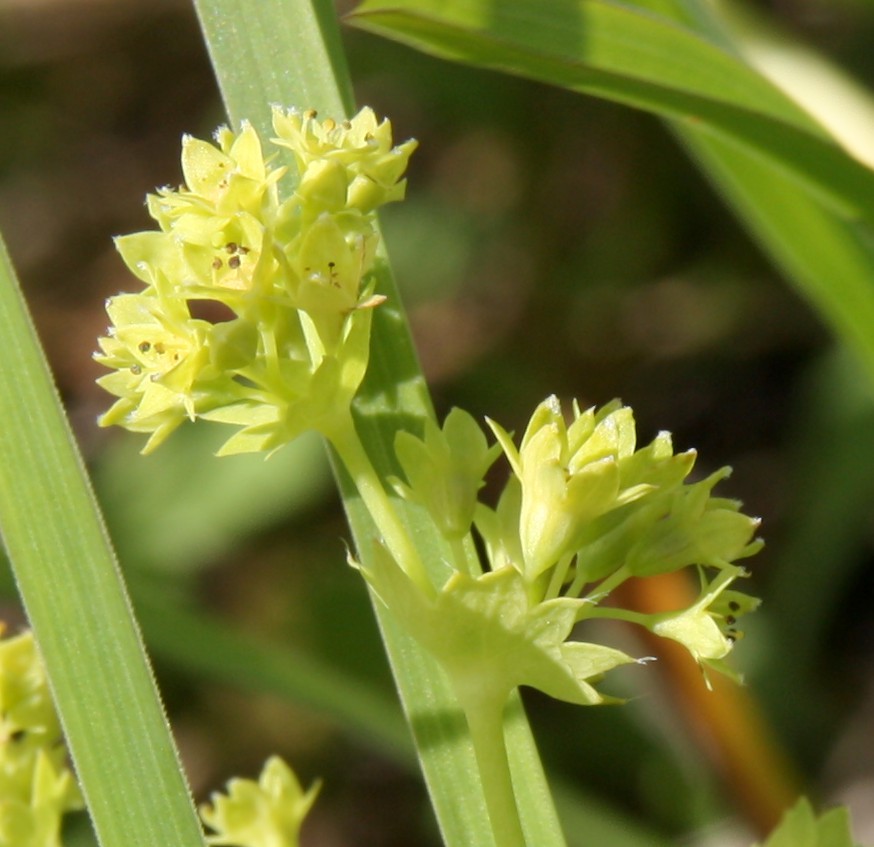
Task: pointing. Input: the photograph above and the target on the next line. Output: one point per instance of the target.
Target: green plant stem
(484, 714)
(345, 440)
(558, 577)
(485, 722)
(462, 560)
(603, 588)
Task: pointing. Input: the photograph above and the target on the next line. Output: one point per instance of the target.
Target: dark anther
(234, 262)
(145, 346)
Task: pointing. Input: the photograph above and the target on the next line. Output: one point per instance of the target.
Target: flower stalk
(486, 725)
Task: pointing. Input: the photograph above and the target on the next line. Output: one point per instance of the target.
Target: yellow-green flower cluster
(583, 511)
(592, 510)
(266, 813)
(256, 308)
(36, 785)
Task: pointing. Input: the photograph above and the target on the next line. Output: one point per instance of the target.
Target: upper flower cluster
(256, 306)
(36, 786)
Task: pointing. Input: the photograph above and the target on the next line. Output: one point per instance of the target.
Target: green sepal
(489, 639)
(233, 345)
(143, 252)
(499, 527)
(689, 527)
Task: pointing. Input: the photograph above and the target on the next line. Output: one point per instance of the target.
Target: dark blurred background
(550, 243)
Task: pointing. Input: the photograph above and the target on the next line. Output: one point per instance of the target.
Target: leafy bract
(490, 639)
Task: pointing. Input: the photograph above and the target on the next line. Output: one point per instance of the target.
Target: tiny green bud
(445, 470)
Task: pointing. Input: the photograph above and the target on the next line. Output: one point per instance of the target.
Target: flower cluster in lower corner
(256, 307)
(584, 510)
(268, 812)
(36, 785)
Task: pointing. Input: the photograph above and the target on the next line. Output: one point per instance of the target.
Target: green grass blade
(830, 260)
(632, 56)
(76, 603)
(269, 52)
(303, 49)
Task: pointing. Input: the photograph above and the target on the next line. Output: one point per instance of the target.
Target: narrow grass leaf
(77, 605)
(632, 56)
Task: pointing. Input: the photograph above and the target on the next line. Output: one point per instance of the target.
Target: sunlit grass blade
(77, 605)
(620, 53)
(830, 260)
(301, 46)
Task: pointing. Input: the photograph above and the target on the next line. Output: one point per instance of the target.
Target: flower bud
(569, 476)
(445, 470)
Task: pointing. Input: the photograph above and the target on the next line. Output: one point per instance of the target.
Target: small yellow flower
(36, 786)
(361, 149)
(266, 813)
(157, 354)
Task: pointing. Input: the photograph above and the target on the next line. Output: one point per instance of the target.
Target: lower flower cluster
(36, 785)
(583, 511)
